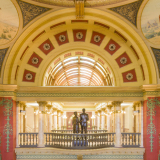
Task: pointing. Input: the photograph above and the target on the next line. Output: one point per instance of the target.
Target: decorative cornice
(30, 11)
(129, 11)
(138, 94)
(113, 157)
(75, 156)
(7, 93)
(46, 157)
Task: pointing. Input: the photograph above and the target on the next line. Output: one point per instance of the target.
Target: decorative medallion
(79, 35)
(46, 46)
(112, 47)
(29, 76)
(123, 60)
(129, 76)
(97, 38)
(62, 38)
(35, 60)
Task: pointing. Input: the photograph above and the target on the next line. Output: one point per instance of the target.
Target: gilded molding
(129, 11)
(2, 55)
(30, 11)
(92, 3)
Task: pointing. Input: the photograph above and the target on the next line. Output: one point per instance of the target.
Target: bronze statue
(75, 122)
(83, 120)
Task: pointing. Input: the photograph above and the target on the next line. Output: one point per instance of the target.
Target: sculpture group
(82, 120)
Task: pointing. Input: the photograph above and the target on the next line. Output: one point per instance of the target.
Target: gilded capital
(42, 103)
(116, 103)
(49, 106)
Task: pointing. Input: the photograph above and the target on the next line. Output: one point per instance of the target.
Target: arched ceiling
(113, 44)
(88, 3)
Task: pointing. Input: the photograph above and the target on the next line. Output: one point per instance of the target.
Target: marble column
(55, 118)
(134, 118)
(17, 123)
(98, 120)
(59, 119)
(49, 118)
(141, 105)
(22, 117)
(35, 119)
(42, 105)
(64, 120)
(117, 106)
(109, 118)
(103, 118)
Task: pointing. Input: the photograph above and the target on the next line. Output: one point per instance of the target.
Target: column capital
(17, 104)
(116, 103)
(109, 106)
(49, 106)
(42, 103)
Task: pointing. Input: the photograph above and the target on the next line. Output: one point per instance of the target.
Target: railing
(71, 131)
(28, 139)
(79, 141)
(131, 139)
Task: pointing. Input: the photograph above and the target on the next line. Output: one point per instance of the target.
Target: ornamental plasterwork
(123, 60)
(30, 11)
(35, 60)
(129, 11)
(62, 38)
(70, 3)
(8, 112)
(151, 112)
(2, 55)
(112, 47)
(157, 57)
(129, 76)
(97, 38)
(29, 76)
(46, 46)
(79, 35)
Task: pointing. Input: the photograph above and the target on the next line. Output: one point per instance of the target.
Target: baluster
(138, 139)
(30, 139)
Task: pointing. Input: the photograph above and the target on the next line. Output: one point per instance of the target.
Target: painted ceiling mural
(9, 21)
(150, 21)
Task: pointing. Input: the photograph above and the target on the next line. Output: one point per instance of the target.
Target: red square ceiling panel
(123, 60)
(79, 35)
(112, 47)
(129, 76)
(46, 47)
(62, 38)
(35, 60)
(29, 76)
(97, 38)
